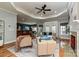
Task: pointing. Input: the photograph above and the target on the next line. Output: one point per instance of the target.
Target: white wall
(56, 23)
(61, 21)
(74, 25)
(10, 26)
(50, 24)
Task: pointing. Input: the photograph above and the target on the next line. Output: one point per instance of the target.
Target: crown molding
(8, 11)
(33, 16)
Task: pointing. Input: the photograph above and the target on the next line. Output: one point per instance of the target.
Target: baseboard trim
(10, 42)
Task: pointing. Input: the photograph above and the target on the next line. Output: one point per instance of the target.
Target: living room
(38, 31)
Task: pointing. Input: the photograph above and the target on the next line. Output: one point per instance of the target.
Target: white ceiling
(28, 8)
(27, 11)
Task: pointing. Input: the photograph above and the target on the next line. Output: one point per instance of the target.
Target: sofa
(45, 47)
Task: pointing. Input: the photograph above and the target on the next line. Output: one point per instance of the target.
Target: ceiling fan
(43, 9)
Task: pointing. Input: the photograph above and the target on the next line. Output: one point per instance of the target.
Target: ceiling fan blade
(39, 11)
(44, 6)
(37, 8)
(47, 10)
(44, 12)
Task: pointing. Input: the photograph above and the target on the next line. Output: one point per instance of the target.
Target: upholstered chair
(23, 41)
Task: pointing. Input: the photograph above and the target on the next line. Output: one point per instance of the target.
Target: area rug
(24, 52)
(31, 52)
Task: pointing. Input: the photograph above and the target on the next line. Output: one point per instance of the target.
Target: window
(63, 30)
(63, 27)
(47, 29)
(54, 29)
(34, 29)
(26, 28)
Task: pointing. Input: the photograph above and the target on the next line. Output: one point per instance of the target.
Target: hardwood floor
(4, 52)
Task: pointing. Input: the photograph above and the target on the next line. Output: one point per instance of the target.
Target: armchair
(23, 41)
